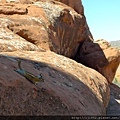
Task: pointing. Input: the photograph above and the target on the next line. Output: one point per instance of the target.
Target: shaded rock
(69, 88)
(114, 103)
(47, 25)
(101, 57)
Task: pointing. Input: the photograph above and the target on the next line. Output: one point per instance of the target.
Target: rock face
(101, 57)
(50, 25)
(30, 30)
(12, 42)
(118, 74)
(114, 104)
(69, 88)
(76, 5)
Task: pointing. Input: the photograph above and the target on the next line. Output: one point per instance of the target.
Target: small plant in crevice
(116, 82)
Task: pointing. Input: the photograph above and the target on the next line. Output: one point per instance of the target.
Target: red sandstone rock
(75, 4)
(12, 42)
(101, 57)
(50, 25)
(69, 88)
(78, 7)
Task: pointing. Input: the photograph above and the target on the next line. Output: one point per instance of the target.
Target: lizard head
(40, 78)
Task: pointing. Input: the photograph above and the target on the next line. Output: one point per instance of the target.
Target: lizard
(29, 76)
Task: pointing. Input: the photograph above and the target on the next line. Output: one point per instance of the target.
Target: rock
(116, 44)
(113, 108)
(65, 23)
(103, 44)
(75, 4)
(69, 88)
(50, 25)
(116, 80)
(11, 9)
(78, 7)
(118, 74)
(17, 1)
(32, 29)
(12, 42)
(101, 57)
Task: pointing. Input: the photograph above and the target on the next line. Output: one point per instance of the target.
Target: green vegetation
(116, 82)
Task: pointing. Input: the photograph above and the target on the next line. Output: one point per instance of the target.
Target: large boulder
(69, 88)
(50, 25)
(75, 4)
(78, 7)
(32, 30)
(101, 57)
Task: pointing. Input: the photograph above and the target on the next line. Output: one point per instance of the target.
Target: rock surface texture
(114, 104)
(101, 57)
(118, 74)
(69, 88)
(45, 35)
(49, 25)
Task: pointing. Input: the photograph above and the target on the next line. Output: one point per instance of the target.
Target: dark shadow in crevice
(113, 108)
(91, 55)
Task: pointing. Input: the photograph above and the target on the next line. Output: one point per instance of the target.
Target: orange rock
(75, 4)
(69, 87)
(49, 25)
(118, 74)
(32, 30)
(101, 57)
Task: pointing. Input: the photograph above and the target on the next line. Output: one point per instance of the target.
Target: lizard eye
(40, 76)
